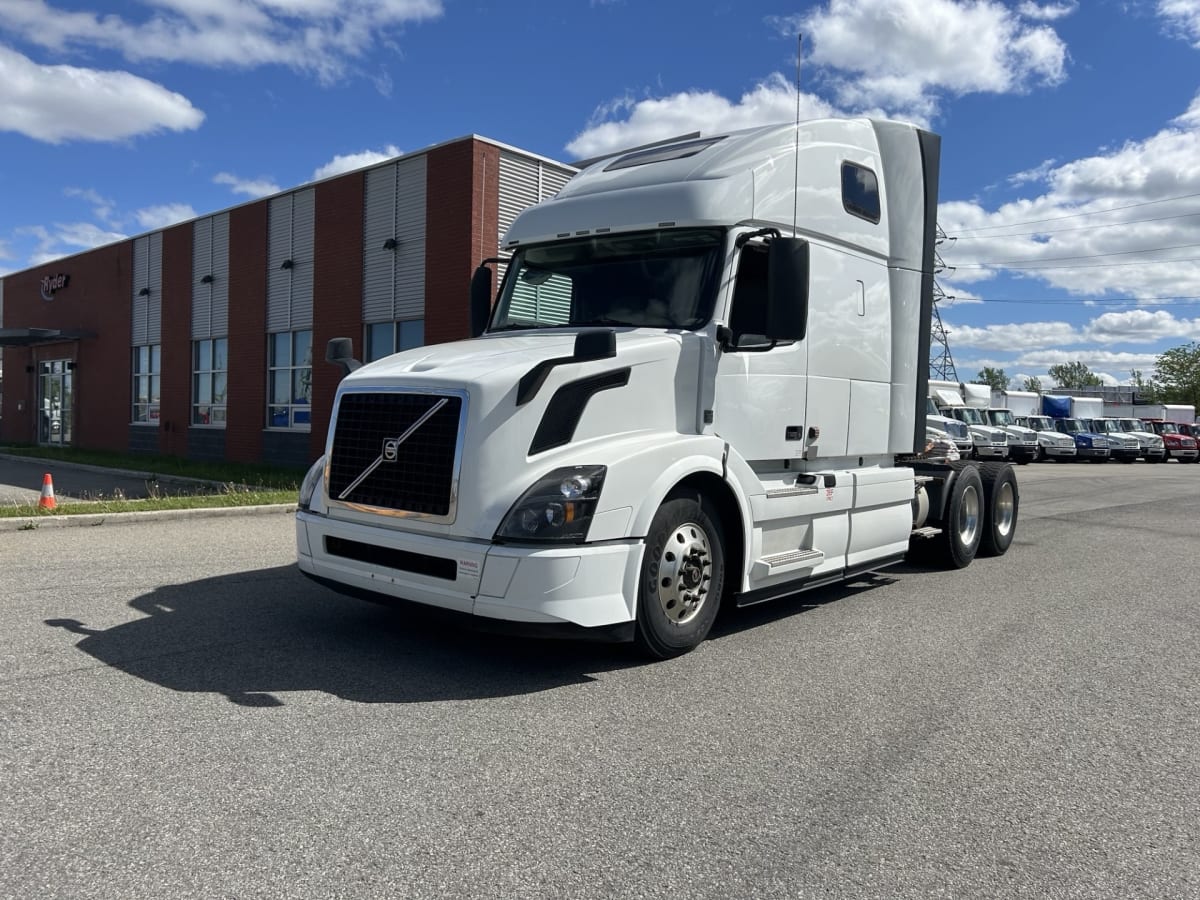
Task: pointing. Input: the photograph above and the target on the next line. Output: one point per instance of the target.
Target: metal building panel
(279, 249)
(141, 282)
(303, 232)
(409, 255)
(154, 301)
(519, 187)
(220, 271)
(379, 226)
(202, 233)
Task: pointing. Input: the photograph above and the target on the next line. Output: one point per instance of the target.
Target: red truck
(1178, 442)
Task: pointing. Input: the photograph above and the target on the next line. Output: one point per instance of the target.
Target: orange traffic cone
(47, 500)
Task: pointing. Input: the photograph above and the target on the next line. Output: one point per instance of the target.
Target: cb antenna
(796, 173)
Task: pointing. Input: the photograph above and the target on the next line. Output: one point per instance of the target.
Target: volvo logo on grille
(391, 449)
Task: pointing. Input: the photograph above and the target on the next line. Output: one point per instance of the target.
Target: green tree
(1032, 383)
(993, 377)
(1074, 375)
(1178, 371)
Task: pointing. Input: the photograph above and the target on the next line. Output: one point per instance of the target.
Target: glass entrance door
(56, 401)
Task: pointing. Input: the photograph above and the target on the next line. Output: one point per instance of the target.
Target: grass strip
(228, 498)
(259, 476)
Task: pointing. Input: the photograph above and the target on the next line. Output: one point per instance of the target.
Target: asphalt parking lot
(184, 715)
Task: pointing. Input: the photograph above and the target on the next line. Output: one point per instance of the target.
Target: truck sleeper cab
(677, 399)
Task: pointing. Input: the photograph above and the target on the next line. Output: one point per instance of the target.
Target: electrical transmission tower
(941, 363)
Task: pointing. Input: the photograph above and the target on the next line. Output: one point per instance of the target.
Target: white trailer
(682, 395)
(1167, 412)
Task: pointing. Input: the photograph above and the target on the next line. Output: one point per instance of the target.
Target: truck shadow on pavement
(254, 635)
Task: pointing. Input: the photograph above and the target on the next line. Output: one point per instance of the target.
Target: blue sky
(1071, 130)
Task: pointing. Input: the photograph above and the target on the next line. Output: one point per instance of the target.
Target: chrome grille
(370, 466)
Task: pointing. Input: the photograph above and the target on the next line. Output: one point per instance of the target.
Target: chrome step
(788, 561)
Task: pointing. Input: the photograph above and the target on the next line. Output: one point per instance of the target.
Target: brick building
(198, 340)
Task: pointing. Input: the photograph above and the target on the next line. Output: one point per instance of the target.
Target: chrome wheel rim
(683, 573)
(1006, 509)
(968, 516)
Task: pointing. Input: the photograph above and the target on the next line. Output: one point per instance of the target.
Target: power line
(1095, 212)
(992, 237)
(1084, 301)
(1026, 265)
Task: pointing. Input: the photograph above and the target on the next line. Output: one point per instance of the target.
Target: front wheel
(682, 577)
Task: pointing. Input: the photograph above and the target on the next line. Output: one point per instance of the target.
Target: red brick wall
(175, 405)
(96, 299)
(462, 218)
(337, 289)
(247, 410)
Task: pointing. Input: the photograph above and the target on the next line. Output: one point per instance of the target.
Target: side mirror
(340, 352)
(481, 298)
(787, 289)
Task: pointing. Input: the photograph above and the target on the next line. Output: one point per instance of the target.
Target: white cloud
(102, 207)
(151, 218)
(61, 103)
(916, 55)
(319, 36)
(1182, 18)
(1135, 326)
(654, 119)
(921, 49)
(1049, 12)
(347, 162)
(1012, 337)
(1140, 326)
(255, 188)
(1105, 225)
(62, 239)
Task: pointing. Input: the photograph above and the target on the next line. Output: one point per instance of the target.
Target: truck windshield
(969, 414)
(1166, 428)
(1041, 423)
(1105, 426)
(1001, 417)
(1132, 425)
(651, 279)
(1071, 426)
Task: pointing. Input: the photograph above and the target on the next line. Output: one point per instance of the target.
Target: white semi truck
(702, 379)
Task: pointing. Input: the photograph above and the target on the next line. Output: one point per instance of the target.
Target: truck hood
(494, 359)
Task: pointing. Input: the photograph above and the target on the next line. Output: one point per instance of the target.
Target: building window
(210, 380)
(147, 371)
(289, 380)
(385, 338)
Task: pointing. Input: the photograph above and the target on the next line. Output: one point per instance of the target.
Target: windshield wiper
(513, 326)
(607, 320)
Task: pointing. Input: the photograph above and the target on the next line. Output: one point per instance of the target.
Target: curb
(92, 520)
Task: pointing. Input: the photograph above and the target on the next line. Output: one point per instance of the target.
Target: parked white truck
(1026, 408)
(703, 378)
(986, 441)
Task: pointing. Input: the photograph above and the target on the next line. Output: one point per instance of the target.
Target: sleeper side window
(860, 192)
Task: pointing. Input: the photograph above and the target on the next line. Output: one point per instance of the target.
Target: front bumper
(589, 586)
(992, 451)
(1154, 453)
(1060, 452)
(1023, 451)
(1184, 454)
(1093, 452)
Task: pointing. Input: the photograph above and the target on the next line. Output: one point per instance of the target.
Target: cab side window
(748, 321)
(860, 192)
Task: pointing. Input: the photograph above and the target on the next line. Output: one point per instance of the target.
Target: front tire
(1003, 501)
(682, 577)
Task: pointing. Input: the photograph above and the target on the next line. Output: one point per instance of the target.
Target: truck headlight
(558, 508)
(312, 478)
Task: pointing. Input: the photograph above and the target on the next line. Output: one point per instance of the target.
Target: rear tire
(682, 577)
(1002, 502)
(962, 523)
